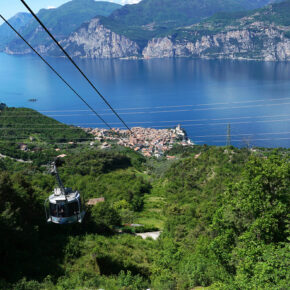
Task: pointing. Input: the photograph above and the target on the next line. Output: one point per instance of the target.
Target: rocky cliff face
(261, 35)
(258, 42)
(95, 41)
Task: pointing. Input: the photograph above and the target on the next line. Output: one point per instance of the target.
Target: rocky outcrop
(93, 40)
(159, 47)
(259, 43)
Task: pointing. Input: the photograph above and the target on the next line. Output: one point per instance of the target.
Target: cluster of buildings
(148, 141)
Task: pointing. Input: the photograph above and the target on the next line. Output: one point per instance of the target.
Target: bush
(105, 216)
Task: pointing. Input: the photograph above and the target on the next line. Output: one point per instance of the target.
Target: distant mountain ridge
(18, 21)
(169, 12)
(149, 18)
(180, 28)
(262, 34)
(61, 21)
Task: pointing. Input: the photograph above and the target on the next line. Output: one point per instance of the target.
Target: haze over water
(201, 95)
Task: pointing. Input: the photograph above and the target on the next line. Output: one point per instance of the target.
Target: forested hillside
(18, 21)
(169, 29)
(61, 22)
(38, 136)
(274, 15)
(151, 18)
(161, 28)
(262, 34)
(223, 213)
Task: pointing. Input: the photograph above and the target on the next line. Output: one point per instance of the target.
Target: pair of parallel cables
(73, 62)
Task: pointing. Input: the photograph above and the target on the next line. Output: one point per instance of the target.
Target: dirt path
(153, 235)
(18, 160)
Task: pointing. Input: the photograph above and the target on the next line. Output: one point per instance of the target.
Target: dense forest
(223, 213)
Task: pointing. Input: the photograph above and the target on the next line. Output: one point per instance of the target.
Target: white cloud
(123, 2)
(130, 1)
(50, 7)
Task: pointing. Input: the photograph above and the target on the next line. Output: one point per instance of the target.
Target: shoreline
(138, 58)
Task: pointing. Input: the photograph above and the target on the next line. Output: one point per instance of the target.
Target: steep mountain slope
(18, 21)
(61, 22)
(260, 34)
(140, 22)
(166, 28)
(93, 40)
(263, 34)
(223, 212)
(145, 20)
(170, 12)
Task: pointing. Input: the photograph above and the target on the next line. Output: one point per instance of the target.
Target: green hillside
(64, 20)
(139, 22)
(173, 13)
(224, 213)
(151, 18)
(18, 21)
(275, 14)
(42, 135)
(71, 15)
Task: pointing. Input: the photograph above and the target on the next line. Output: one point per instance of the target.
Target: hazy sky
(9, 8)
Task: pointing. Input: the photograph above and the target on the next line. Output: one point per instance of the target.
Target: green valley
(223, 213)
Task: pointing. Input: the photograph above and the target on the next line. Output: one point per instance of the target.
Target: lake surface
(204, 96)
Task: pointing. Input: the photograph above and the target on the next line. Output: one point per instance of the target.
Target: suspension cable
(73, 62)
(56, 72)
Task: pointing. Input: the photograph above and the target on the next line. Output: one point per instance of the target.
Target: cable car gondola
(64, 206)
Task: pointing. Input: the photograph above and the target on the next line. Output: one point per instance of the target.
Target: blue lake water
(201, 95)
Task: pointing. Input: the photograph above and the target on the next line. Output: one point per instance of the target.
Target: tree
(253, 219)
(105, 216)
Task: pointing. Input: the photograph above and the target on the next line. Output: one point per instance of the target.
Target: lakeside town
(148, 141)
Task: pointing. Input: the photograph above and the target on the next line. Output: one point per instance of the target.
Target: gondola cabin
(64, 208)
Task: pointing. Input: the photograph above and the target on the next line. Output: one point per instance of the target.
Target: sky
(9, 8)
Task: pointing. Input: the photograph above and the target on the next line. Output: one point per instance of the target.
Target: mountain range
(243, 29)
(262, 34)
(61, 22)
(18, 21)
(150, 18)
